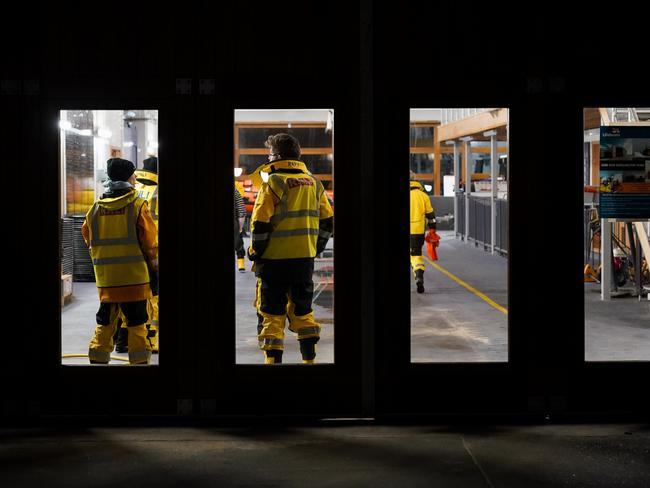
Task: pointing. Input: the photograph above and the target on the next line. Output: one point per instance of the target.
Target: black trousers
(239, 241)
(134, 312)
(274, 296)
(417, 241)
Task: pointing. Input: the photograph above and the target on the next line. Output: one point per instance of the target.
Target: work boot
(308, 349)
(122, 342)
(273, 356)
(419, 280)
(241, 264)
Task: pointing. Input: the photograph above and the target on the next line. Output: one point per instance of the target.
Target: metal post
(456, 184)
(637, 268)
(605, 259)
(494, 173)
(468, 182)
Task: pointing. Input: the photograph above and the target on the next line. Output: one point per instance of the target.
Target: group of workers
(291, 223)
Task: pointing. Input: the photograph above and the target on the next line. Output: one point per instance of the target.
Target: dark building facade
(196, 63)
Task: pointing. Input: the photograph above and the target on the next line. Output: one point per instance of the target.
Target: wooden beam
(425, 123)
(591, 118)
(450, 150)
(604, 116)
(594, 177)
(474, 125)
(303, 150)
(236, 152)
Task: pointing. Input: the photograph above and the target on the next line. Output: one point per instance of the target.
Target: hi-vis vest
(296, 219)
(148, 192)
(114, 246)
(420, 206)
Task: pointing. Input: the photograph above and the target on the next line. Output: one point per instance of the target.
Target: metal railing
(480, 222)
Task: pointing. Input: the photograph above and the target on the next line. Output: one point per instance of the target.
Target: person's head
(282, 146)
(411, 175)
(119, 169)
(150, 164)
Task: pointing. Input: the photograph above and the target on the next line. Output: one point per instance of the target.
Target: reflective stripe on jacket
(420, 208)
(113, 238)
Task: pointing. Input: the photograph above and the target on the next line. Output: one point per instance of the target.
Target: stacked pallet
(83, 266)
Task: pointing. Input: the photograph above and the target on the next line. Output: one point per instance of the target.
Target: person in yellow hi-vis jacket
(122, 238)
(291, 223)
(147, 188)
(422, 216)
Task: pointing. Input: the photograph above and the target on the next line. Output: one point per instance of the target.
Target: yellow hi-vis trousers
(152, 325)
(417, 263)
(287, 298)
(101, 345)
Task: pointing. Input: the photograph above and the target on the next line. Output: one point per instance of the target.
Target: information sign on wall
(625, 172)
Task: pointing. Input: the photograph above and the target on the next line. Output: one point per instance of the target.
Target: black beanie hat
(150, 164)
(119, 169)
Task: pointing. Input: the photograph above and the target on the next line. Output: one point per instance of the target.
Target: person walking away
(422, 216)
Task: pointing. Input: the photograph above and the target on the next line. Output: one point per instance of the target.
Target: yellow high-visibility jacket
(121, 234)
(421, 208)
(293, 202)
(147, 188)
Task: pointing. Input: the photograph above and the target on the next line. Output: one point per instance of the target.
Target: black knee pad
(103, 316)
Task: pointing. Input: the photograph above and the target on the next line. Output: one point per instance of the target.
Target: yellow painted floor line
(469, 287)
(65, 356)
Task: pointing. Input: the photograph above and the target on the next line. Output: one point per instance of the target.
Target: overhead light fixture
(238, 172)
(104, 132)
(65, 125)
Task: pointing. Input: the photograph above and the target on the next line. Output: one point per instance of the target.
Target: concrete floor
(617, 330)
(449, 323)
(328, 455)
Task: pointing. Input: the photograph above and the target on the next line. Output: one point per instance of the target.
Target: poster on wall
(625, 172)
